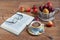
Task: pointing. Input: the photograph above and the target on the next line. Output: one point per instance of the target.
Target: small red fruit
(51, 9)
(34, 7)
(22, 9)
(49, 4)
(49, 24)
(37, 18)
(35, 10)
(41, 8)
(45, 6)
(28, 9)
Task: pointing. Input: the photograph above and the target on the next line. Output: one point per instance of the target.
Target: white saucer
(35, 33)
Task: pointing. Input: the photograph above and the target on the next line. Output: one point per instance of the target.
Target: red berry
(52, 9)
(49, 4)
(49, 24)
(45, 6)
(22, 9)
(41, 8)
(49, 8)
(34, 7)
(37, 18)
(28, 9)
(35, 10)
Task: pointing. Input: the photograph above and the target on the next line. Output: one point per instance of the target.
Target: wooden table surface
(9, 7)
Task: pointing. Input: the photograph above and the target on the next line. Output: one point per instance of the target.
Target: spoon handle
(50, 37)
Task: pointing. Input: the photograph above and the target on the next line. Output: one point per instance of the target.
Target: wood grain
(9, 7)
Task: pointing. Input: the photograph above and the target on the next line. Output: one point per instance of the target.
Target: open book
(17, 23)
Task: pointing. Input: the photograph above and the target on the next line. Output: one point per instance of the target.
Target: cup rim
(34, 22)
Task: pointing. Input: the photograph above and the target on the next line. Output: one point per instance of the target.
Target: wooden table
(9, 7)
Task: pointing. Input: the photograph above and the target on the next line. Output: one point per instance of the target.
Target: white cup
(36, 30)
